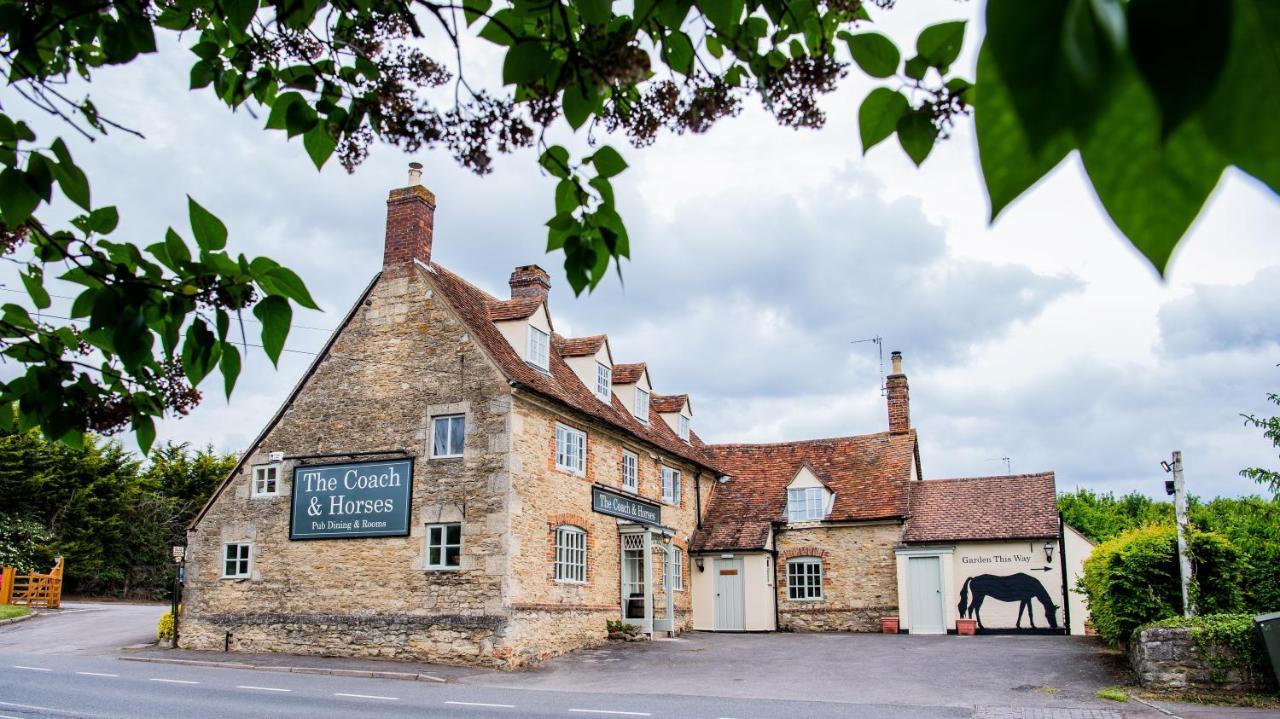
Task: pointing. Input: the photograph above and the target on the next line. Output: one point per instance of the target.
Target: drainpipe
(697, 497)
(777, 612)
(1062, 555)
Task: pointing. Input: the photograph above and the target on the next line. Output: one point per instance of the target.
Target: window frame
(675, 496)
(682, 427)
(635, 410)
(246, 560)
(444, 545)
(604, 382)
(676, 557)
(275, 480)
(543, 347)
(449, 418)
(810, 588)
(568, 433)
(569, 559)
(634, 485)
(806, 504)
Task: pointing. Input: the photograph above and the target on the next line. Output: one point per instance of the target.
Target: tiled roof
(1016, 506)
(580, 346)
(561, 385)
(668, 402)
(869, 474)
(627, 373)
(513, 309)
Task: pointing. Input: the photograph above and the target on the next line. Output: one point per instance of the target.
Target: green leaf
(277, 120)
(1152, 190)
(1024, 41)
(595, 12)
(17, 199)
(874, 54)
(144, 430)
(275, 314)
(177, 249)
(677, 49)
(104, 220)
(527, 62)
(503, 28)
(201, 74)
(1093, 39)
(71, 178)
(210, 233)
(473, 10)
(608, 162)
(1010, 165)
(915, 68)
(319, 144)
(879, 114)
(556, 161)
(916, 134)
(229, 365)
(33, 280)
(287, 283)
(577, 105)
(1240, 117)
(725, 15)
(1180, 47)
(239, 13)
(940, 44)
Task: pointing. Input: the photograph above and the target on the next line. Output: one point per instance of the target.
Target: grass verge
(10, 611)
(1115, 694)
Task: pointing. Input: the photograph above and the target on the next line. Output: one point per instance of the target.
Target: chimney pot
(896, 358)
(530, 281)
(411, 212)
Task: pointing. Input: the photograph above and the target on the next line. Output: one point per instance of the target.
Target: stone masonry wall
(402, 359)
(859, 576)
(1169, 659)
(550, 617)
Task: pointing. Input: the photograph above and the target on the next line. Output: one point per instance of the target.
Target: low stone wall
(443, 639)
(822, 619)
(1172, 659)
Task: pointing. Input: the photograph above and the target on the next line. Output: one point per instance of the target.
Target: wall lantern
(1048, 551)
(699, 562)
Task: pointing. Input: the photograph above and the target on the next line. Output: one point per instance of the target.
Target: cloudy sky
(760, 254)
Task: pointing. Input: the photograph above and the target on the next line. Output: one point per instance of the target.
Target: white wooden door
(924, 592)
(729, 595)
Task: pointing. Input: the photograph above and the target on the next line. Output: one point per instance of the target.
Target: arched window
(571, 554)
(804, 578)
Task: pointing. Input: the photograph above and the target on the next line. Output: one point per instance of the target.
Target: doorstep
(296, 664)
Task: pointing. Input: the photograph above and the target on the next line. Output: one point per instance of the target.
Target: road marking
(610, 711)
(262, 689)
(482, 704)
(172, 681)
(96, 674)
(32, 669)
(9, 716)
(366, 696)
(28, 706)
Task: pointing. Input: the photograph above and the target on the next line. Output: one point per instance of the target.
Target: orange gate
(35, 590)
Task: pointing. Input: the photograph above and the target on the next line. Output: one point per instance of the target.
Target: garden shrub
(1227, 642)
(1133, 579)
(24, 544)
(164, 630)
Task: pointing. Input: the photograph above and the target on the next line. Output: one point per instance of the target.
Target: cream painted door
(924, 591)
(729, 595)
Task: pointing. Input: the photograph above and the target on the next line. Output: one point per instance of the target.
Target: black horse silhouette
(1020, 588)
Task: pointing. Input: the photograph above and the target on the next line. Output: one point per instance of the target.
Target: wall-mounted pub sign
(620, 505)
(343, 501)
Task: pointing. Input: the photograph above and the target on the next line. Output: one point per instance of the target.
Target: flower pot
(889, 625)
(967, 627)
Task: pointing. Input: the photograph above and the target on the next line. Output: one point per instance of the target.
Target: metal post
(1180, 511)
(177, 583)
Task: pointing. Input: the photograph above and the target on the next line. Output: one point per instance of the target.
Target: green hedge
(1228, 642)
(1133, 579)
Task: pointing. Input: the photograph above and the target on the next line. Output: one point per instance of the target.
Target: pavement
(69, 664)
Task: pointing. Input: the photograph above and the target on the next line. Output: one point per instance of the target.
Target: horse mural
(1021, 588)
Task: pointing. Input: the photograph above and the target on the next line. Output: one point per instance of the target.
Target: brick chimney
(530, 281)
(899, 400)
(411, 212)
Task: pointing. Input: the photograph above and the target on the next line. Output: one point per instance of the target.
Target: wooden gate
(34, 590)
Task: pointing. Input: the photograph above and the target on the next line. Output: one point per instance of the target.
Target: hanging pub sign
(619, 505)
(343, 501)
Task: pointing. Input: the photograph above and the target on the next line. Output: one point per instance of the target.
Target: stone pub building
(454, 481)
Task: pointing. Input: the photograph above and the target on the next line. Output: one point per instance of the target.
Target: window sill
(238, 578)
(574, 472)
(807, 601)
(442, 569)
(630, 490)
(570, 582)
(447, 456)
(273, 495)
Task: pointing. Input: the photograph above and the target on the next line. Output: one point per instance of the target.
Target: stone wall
(859, 576)
(1170, 659)
(402, 358)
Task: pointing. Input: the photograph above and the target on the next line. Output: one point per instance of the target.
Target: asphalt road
(82, 628)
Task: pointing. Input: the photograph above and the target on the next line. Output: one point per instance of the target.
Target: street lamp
(1048, 551)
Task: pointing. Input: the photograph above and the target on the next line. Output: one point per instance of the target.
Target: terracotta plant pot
(889, 625)
(967, 627)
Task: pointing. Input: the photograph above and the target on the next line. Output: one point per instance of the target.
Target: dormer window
(604, 381)
(539, 348)
(682, 427)
(642, 405)
(805, 504)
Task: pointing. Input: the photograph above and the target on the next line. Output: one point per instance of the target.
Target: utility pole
(1179, 492)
